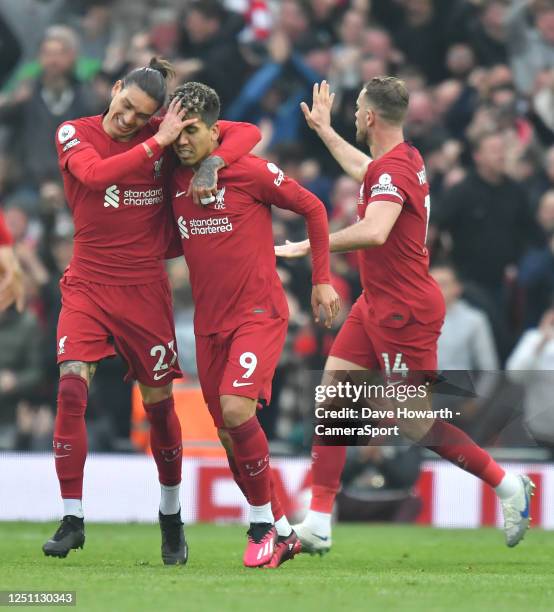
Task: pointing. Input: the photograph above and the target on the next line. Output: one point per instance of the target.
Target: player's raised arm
(353, 161)
(236, 139)
(83, 161)
(283, 192)
(373, 230)
(11, 279)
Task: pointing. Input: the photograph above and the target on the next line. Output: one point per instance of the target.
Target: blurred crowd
(481, 77)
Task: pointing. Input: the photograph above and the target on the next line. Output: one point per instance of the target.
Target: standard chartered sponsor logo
(183, 229)
(149, 197)
(132, 197)
(204, 227)
(111, 197)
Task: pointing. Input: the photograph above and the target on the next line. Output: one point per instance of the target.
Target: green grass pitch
(371, 567)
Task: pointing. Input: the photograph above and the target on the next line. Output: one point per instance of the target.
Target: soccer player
(11, 280)
(115, 292)
(241, 310)
(395, 324)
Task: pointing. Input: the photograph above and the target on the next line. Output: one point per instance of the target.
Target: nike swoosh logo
(236, 383)
(60, 456)
(159, 376)
(323, 539)
(180, 193)
(171, 460)
(252, 474)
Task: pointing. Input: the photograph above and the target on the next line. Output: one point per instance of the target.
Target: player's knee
(153, 395)
(236, 410)
(72, 395)
(226, 441)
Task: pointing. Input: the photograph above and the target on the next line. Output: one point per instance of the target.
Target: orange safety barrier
(199, 433)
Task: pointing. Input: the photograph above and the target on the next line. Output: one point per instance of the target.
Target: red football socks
(236, 474)
(70, 435)
(251, 454)
(165, 440)
(276, 507)
(453, 444)
(327, 466)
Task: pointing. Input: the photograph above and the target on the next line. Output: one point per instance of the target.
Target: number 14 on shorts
(398, 367)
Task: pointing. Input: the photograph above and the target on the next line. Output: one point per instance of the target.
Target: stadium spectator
(28, 19)
(377, 484)
(421, 38)
(10, 50)
(466, 341)
(466, 351)
(35, 109)
(543, 180)
(294, 20)
(488, 219)
(536, 269)
(275, 91)
(422, 127)
(208, 35)
(20, 371)
(532, 365)
(377, 42)
(530, 41)
(346, 52)
(542, 113)
(487, 33)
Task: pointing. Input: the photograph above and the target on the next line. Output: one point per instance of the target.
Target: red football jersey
(228, 245)
(395, 276)
(118, 196)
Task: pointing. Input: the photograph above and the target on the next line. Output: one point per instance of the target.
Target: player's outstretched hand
(173, 123)
(319, 117)
(324, 296)
(11, 280)
(293, 250)
(203, 187)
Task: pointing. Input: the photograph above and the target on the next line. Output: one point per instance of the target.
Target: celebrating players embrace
(119, 178)
(115, 293)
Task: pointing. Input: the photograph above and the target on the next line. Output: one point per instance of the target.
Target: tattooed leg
(83, 369)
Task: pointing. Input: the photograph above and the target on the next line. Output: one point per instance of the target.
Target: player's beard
(361, 135)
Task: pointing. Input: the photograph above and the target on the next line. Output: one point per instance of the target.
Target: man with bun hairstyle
(115, 292)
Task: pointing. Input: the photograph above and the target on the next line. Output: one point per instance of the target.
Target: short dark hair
(152, 79)
(389, 97)
(209, 9)
(199, 99)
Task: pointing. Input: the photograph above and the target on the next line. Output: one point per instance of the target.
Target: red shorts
(390, 346)
(134, 320)
(239, 362)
